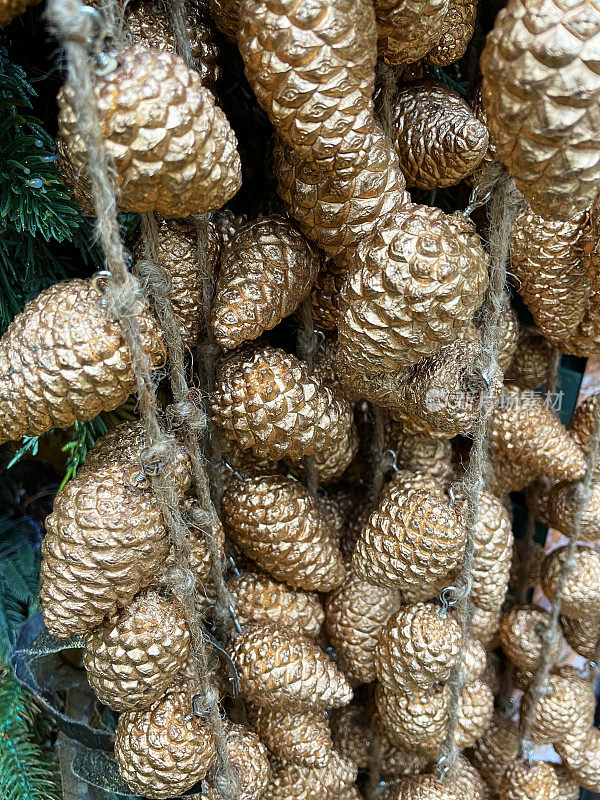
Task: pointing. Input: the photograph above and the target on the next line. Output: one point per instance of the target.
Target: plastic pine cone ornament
(459, 24)
(581, 595)
(496, 749)
(546, 134)
(521, 636)
(282, 670)
(568, 705)
(249, 763)
(560, 511)
(407, 31)
(424, 454)
(300, 737)
(423, 787)
(529, 781)
(172, 148)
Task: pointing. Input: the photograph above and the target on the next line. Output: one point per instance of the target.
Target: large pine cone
(580, 753)
(568, 705)
(459, 24)
(282, 670)
(248, 761)
(301, 737)
(547, 137)
(494, 751)
(133, 656)
(172, 148)
(408, 30)
(581, 595)
(492, 554)
(423, 787)
(521, 636)
(529, 781)
(64, 359)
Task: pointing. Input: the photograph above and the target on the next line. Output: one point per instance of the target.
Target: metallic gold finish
(521, 636)
(397, 762)
(485, 625)
(423, 787)
(352, 738)
(568, 704)
(464, 779)
(568, 786)
(525, 780)
(408, 482)
(529, 365)
(408, 30)
(492, 554)
(581, 595)
(300, 737)
(581, 425)
(509, 337)
(332, 464)
(424, 454)
(582, 635)
(548, 138)
(249, 763)
(172, 148)
(324, 294)
(580, 753)
(281, 670)
(459, 24)
(496, 749)
(163, 750)
(505, 475)
(226, 14)
(312, 783)
(267, 269)
(10, 9)
(560, 511)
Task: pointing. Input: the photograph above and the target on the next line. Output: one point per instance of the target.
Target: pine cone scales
(171, 146)
(567, 706)
(580, 753)
(529, 781)
(407, 31)
(324, 294)
(303, 783)
(248, 761)
(459, 24)
(267, 269)
(283, 671)
(560, 511)
(581, 595)
(494, 751)
(582, 635)
(64, 359)
(545, 135)
(492, 555)
(521, 636)
(300, 737)
(423, 787)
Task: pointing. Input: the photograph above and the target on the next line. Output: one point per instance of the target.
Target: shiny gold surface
(422, 787)
(581, 595)
(529, 365)
(492, 553)
(311, 783)
(494, 751)
(299, 737)
(521, 636)
(249, 763)
(569, 704)
(408, 30)
(529, 781)
(459, 24)
(582, 635)
(464, 779)
(580, 752)
(324, 294)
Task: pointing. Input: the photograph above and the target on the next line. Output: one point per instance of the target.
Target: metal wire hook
(228, 465)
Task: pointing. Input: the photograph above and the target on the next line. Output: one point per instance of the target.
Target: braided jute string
(502, 209)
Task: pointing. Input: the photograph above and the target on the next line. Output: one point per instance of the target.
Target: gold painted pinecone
(277, 523)
(416, 281)
(163, 750)
(580, 753)
(259, 599)
(459, 24)
(465, 780)
(268, 402)
(282, 670)
(568, 705)
(581, 595)
(135, 654)
(352, 737)
(226, 14)
(496, 749)
(438, 138)
(407, 481)
(492, 554)
(10, 9)
(407, 31)
(412, 542)
(267, 269)
(545, 137)
(248, 761)
(508, 331)
(419, 646)
(485, 625)
(581, 425)
(423, 787)
(312, 783)
(568, 786)
(506, 475)
(521, 636)
(424, 454)
(396, 761)
(582, 635)
(546, 259)
(332, 464)
(301, 737)
(172, 148)
(63, 358)
(528, 432)
(354, 616)
(529, 781)
(560, 511)
(325, 292)
(529, 365)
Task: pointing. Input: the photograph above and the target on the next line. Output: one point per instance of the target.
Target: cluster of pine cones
(344, 646)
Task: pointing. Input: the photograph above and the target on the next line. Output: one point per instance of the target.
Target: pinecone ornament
(331, 465)
(529, 781)
(581, 426)
(10, 9)
(312, 783)
(424, 454)
(521, 636)
(582, 635)
(133, 656)
(300, 737)
(248, 761)
(509, 337)
(63, 358)
(529, 365)
(267, 269)
(226, 14)
(580, 753)
(407, 31)
(438, 138)
(172, 148)
(277, 523)
(423, 787)
(354, 616)
(281, 670)
(496, 749)
(545, 136)
(417, 280)
(268, 402)
(459, 24)
(492, 554)
(581, 595)
(464, 779)
(506, 475)
(396, 762)
(325, 292)
(419, 646)
(485, 625)
(352, 738)
(560, 511)
(163, 750)
(568, 786)
(568, 705)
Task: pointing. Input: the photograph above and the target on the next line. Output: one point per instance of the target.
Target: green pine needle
(84, 438)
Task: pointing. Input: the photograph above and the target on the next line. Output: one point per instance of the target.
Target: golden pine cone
(582, 635)
(172, 148)
(529, 781)
(475, 662)
(248, 761)
(496, 749)
(324, 294)
(408, 482)
(546, 259)
(351, 736)
(311, 783)
(560, 511)
(528, 432)
(521, 636)
(509, 337)
(459, 24)
(407, 31)
(355, 613)
(506, 475)
(397, 762)
(529, 365)
(277, 523)
(581, 595)
(413, 542)
(492, 553)
(332, 464)
(465, 780)
(268, 402)
(438, 138)
(163, 750)
(423, 787)
(10, 9)
(258, 599)
(133, 656)
(416, 281)
(545, 138)
(580, 753)
(568, 705)
(281, 670)
(475, 711)
(424, 454)
(485, 625)
(267, 269)
(420, 645)
(226, 14)
(63, 358)
(301, 737)
(568, 786)
(581, 426)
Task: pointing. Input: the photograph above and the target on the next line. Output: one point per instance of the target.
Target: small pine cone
(582, 635)
(268, 402)
(248, 761)
(397, 762)
(568, 786)
(354, 529)
(163, 750)
(351, 737)
(324, 295)
(285, 671)
(277, 523)
(63, 358)
(529, 781)
(475, 663)
(332, 464)
(581, 426)
(438, 138)
(580, 753)
(419, 646)
(354, 616)
(301, 737)
(528, 432)
(492, 553)
(423, 787)
(509, 338)
(408, 482)
(521, 636)
(485, 625)
(424, 454)
(546, 261)
(133, 656)
(267, 269)
(581, 595)
(474, 714)
(407, 31)
(258, 599)
(152, 97)
(560, 511)
(506, 475)
(416, 281)
(226, 14)
(466, 781)
(568, 705)
(459, 24)
(10, 9)
(529, 365)
(413, 542)
(311, 783)
(496, 749)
